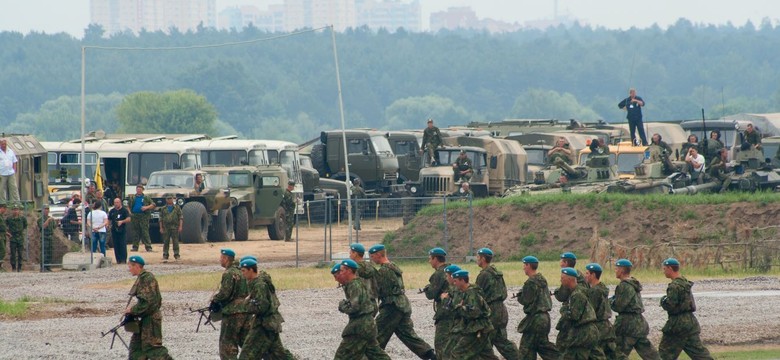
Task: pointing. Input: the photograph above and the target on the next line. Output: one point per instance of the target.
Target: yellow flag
(98, 177)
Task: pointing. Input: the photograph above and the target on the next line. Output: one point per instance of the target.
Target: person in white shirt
(696, 165)
(8, 173)
(97, 220)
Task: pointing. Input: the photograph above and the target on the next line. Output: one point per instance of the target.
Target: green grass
(13, 308)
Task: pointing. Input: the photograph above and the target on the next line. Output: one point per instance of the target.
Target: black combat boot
(430, 355)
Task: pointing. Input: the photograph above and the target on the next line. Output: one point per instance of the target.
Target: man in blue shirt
(633, 105)
(141, 207)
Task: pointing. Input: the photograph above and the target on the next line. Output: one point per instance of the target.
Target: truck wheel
(277, 229)
(221, 227)
(242, 223)
(196, 223)
(318, 159)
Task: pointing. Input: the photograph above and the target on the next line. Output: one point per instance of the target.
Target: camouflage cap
(569, 272)
(671, 261)
(593, 267)
(452, 269)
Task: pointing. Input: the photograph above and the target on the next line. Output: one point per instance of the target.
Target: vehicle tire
(277, 229)
(318, 159)
(242, 224)
(196, 223)
(221, 227)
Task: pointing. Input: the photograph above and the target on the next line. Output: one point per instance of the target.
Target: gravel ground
(731, 312)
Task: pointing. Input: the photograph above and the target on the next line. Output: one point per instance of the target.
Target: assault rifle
(202, 312)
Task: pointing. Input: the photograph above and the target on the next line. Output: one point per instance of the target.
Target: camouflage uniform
(431, 141)
(717, 170)
(358, 196)
(140, 222)
(235, 320)
(368, 274)
(16, 226)
(473, 328)
(359, 336)
(395, 312)
(3, 240)
(263, 339)
(562, 294)
(681, 331)
(463, 164)
(631, 328)
(597, 296)
(491, 281)
(752, 138)
(582, 335)
(535, 326)
(169, 222)
(288, 204)
(48, 239)
(442, 319)
(147, 344)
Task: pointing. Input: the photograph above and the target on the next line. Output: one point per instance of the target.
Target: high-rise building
(301, 14)
(153, 15)
(237, 18)
(389, 14)
(466, 18)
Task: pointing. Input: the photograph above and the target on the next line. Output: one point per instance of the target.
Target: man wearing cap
(580, 319)
(681, 331)
(46, 226)
(472, 328)
(358, 194)
(631, 328)
(147, 343)
(535, 326)
(431, 141)
(288, 204)
(229, 301)
(445, 315)
(17, 227)
(359, 337)
(366, 272)
(263, 339)
(491, 281)
(437, 285)
(462, 167)
(141, 207)
(3, 233)
(597, 296)
(395, 311)
(171, 224)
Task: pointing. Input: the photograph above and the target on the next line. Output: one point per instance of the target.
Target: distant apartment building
(389, 15)
(466, 18)
(237, 18)
(153, 15)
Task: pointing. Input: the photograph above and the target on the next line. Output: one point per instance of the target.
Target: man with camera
(696, 167)
(633, 105)
(560, 151)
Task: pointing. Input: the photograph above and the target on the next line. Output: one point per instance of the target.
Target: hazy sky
(72, 16)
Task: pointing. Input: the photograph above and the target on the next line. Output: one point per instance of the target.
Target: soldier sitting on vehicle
(464, 191)
(560, 151)
(462, 167)
(660, 152)
(751, 138)
(719, 169)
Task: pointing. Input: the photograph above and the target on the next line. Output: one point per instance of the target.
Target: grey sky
(72, 16)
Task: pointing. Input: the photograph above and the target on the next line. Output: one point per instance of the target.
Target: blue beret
(335, 268)
(460, 274)
(485, 251)
(376, 248)
(358, 248)
(452, 269)
(569, 271)
(530, 260)
(437, 251)
(593, 267)
(624, 263)
(137, 259)
(228, 252)
(569, 255)
(249, 257)
(246, 263)
(671, 261)
(349, 263)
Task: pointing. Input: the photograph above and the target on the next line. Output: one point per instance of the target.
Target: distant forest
(286, 88)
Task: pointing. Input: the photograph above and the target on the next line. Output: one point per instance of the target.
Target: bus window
(289, 163)
(273, 156)
(223, 157)
(189, 161)
(257, 157)
(71, 162)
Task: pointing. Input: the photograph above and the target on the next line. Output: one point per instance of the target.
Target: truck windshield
(627, 161)
(257, 157)
(536, 156)
(381, 144)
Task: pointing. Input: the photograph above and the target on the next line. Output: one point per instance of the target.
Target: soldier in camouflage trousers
(358, 339)
(366, 272)
(535, 326)
(229, 302)
(631, 328)
(288, 204)
(263, 339)
(472, 329)
(395, 311)
(438, 285)
(3, 233)
(568, 259)
(491, 281)
(579, 320)
(681, 331)
(445, 315)
(171, 224)
(17, 226)
(46, 226)
(598, 295)
(147, 343)
(141, 207)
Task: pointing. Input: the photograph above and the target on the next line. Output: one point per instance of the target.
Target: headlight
(413, 189)
(180, 201)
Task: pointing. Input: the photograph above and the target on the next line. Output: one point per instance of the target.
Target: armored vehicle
(594, 175)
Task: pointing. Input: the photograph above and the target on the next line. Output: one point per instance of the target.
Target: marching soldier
(17, 227)
(535, 326)
(288, 204)
(365, 272)
(579, 319)
(263, 338)
(445, 317)
(171, 224)
(141, 207)
(491, 281)
(598, 295)
(568, 259)
(147, 342)
(631, 328)
(229, 302)
(473, 328)
(438, 285)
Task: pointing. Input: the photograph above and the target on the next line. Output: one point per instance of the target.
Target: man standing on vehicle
(141, 207)
(431, 141)
(288, 204)
(8, 173)
(171, 224)
(633, 105)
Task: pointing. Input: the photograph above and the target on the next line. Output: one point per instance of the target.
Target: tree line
(286, 88)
